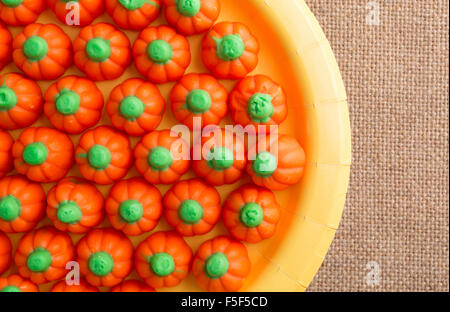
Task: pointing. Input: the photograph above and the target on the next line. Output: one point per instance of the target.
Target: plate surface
(296, 54)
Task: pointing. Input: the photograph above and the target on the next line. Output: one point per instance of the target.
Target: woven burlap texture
(394, 233)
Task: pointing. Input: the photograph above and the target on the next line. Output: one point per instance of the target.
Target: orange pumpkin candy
(22, 204)
(251, 213)
(161, 55)
(16, 283)
(21, 12)
(258, 100)
(276, 162)
(134, 14)
(163, 259)
(199, 95)
(42, 52)
(5, 46)
(73, 104)
(134, 206)
(43, 154)
(6, 160)
(192, 207)
(230, 51)
(102, 52)
(105, 257)
(103, 155)
(62, 286)
(89, 10)
(221, 264)
(191, 17)
(132, 286)
(21, 101)
(136, 107)
(5, 253)
(162, 157)
(42, 255)
(223, 157)
(75, 206)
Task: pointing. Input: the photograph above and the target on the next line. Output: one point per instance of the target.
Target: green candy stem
(265, 164)
(35, 154)
(216, 265)
(251, 215)
(198, 101)
(131, 108)
(12, 3)
(99, 157)
(98, 49)
(67, 102)
(131, 211)
(220, 158)
(230, 47)
(11, 288)
(160, 158)
(188, 8)
(39, 260)
(69, 212)
(8, 98)
(132, 5)
(160, 52)
(162, 264)
(190, 211)
(260, 107)
(35, 48)
(101, 263)
(10, 208)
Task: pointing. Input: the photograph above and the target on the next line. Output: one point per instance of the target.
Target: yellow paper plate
(295, 53)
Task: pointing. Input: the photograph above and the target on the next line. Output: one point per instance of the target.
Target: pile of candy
(104, 154)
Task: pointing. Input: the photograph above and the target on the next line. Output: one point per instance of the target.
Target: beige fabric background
(396, 75)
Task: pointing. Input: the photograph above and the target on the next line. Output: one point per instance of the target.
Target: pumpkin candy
(5, 253)
(102, 52)
(103, 155)
(161, 55)
(276, 162)
(105, 257)
(16, 283)
(62, 286)
(163, 259)
(136, 107)
(21, 12)
(221, 264)
(162, 157)
(223, 157)
(251, 213)
(88, 11)
(73, 104)
(6, 160)
(191, 17)
(133, 14)
(43, 154)
(21, 101)
(75, 206)
(5, 46)
(134, 206)
(42, 255)
(192, 207)
(132, 286)
(22, 204)
(42, 52)
(230, 51)
(201, 96)
(258, 100)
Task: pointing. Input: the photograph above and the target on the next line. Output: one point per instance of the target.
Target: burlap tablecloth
(394, 234)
